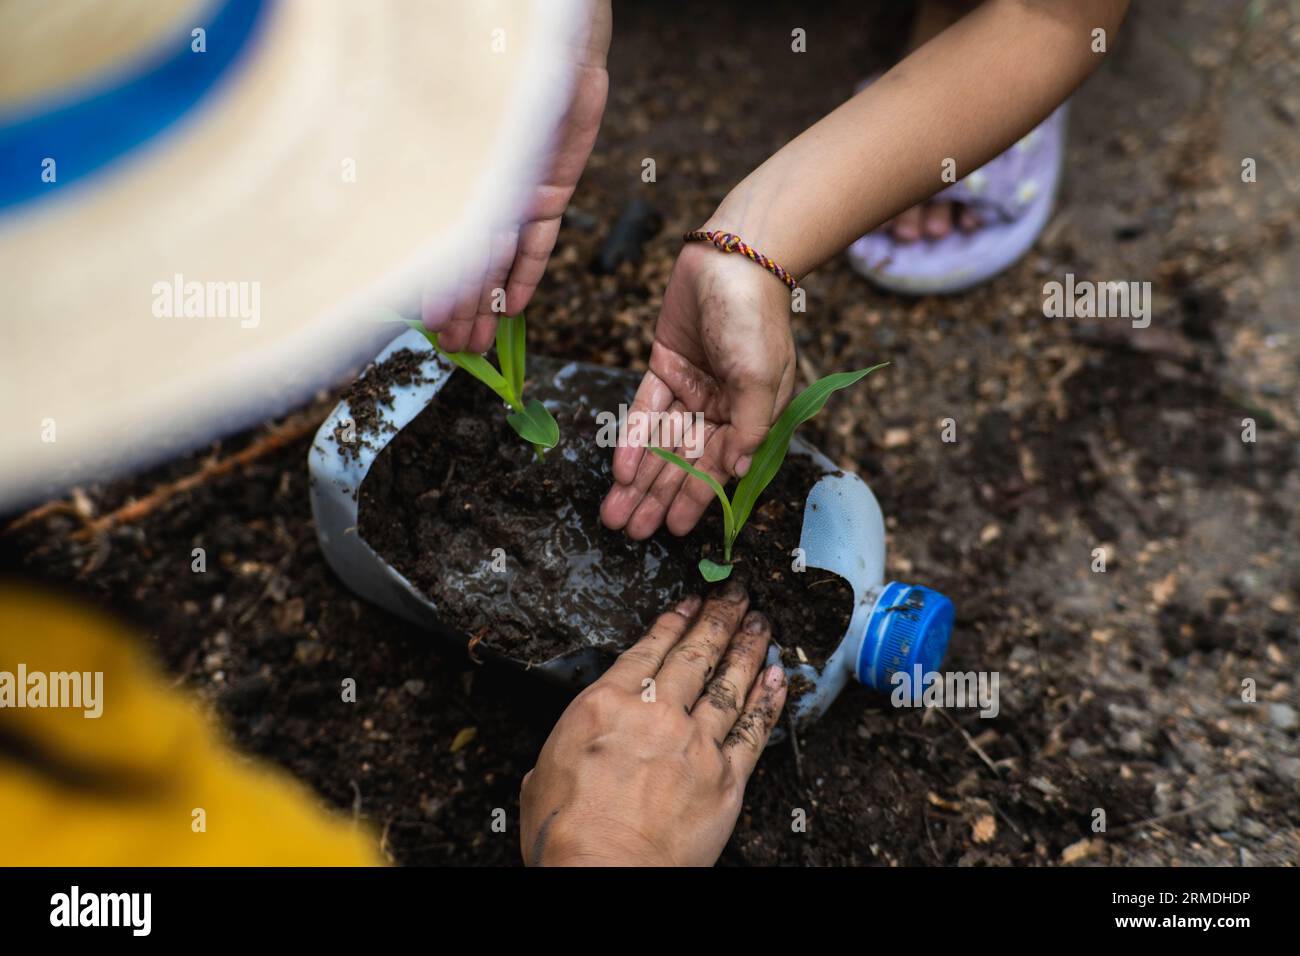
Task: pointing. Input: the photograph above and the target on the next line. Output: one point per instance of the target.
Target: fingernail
(742, 465)
(733, 591)
(755, 622)
(689, 606)
(774, 679)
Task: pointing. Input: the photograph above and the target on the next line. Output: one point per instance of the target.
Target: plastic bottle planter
(894, 627)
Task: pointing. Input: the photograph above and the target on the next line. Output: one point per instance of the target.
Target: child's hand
(648, 765)
(722, 347)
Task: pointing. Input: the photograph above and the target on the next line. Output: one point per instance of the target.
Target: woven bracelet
(730, 242)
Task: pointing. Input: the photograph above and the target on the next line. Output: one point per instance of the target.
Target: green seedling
(765, 464)
(530, 419)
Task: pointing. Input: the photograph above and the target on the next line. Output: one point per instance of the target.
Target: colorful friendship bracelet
(730, 242)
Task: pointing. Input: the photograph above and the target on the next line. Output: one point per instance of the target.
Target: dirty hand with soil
(722, 348)
(648, 765)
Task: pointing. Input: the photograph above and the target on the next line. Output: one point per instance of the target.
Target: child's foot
(976, 227)
(933, 220)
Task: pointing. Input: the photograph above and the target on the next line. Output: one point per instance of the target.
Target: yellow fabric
(123, 788)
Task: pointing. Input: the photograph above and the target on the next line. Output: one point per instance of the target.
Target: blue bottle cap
(909, 627)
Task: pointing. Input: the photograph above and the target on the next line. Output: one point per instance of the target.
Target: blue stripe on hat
(96, 125)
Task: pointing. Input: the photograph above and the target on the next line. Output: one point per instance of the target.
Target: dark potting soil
(458, 483)
(367, 393)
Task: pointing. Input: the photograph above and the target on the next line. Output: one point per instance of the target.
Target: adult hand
(722, 348)
(515, 258)
(648, 765)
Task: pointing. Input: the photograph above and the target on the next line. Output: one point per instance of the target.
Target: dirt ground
(1120, 691)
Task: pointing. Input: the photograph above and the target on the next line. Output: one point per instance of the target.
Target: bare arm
(968, 94)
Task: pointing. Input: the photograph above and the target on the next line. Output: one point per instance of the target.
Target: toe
(907, 227)
(938, 220)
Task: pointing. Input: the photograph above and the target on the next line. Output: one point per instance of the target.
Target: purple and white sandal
(1012, 194)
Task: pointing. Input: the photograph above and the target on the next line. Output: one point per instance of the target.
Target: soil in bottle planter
(458, 483)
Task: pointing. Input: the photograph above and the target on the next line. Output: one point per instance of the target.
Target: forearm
(967, 95)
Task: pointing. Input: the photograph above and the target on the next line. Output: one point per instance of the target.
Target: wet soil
(512, 550)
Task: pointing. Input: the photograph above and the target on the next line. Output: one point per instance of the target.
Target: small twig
(288, 433)
(1073, 363)
(81, 506)
(826, 580)
(1011, 823)
(40, 513)
(794, 745)
(925, 816)
(103, 548)
(809, 370)
(473, 643)
(248, 610)
(356, 801)
(451, 470)
(970, 742)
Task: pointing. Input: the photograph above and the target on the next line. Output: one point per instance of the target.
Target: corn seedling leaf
(771, 453)
(535, 424)
(530, 419)
(511, 352)
(713, 572)
(476, 365)
(728, 522)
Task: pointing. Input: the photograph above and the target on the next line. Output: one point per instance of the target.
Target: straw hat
(202, 202)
